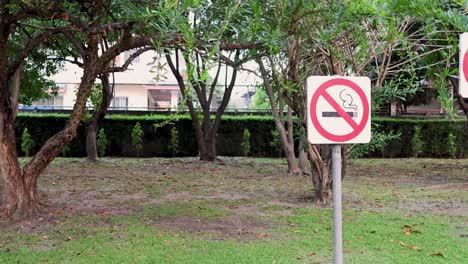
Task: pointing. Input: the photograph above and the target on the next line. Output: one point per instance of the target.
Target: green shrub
(137, 138)
(101, 142)
(452, 145)
(27, 142)
(118, 128)
(246, 142)
(377, 144)
(276, 142)
(417, 143)
(66, 150)
(174, 141)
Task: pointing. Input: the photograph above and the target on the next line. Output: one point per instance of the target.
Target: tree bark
(20, 193)
(321, 176)
(286, 136)
(16, 83)
(97, 117)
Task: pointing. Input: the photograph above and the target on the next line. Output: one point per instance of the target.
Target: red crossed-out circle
(322, 92)
(465, 65)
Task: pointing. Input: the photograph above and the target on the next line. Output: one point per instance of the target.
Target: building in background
(142, 87)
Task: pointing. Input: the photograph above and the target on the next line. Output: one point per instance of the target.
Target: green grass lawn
(242, 211)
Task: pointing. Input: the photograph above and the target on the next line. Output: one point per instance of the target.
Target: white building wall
(131, 83)
(137, 96)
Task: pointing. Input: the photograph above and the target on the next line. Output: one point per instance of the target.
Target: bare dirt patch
(455, 208)
(230, 228)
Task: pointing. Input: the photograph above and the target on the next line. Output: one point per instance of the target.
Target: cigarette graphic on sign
(335, 114)
(347, 100)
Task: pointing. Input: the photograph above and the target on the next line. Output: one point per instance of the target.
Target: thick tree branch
(128, 62)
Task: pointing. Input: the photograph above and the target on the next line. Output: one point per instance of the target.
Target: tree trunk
(91, 148)
(20, 194)
(302, 159)
(286, 137)
(321, 173)
(208, 152)
(97, 117)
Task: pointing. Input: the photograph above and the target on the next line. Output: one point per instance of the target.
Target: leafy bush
(416, 142)
(27, 142)
(378, 142)
(174, 141)
(118, 128)
(137, 138)
(246, 142)
(452, 145)
(275, 141)
(101, 142)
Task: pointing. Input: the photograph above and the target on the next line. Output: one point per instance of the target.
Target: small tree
(137, 138)
(27, 142)
(452, 145)
(101, 142)
(174, 141)
(416, 142)
(275, 142)
(246, 142)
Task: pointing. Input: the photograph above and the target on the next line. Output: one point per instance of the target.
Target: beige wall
(137, 95)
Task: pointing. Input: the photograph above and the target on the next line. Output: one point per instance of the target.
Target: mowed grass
(242, 211)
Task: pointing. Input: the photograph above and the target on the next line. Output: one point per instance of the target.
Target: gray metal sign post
(338, 112)
(337, 222)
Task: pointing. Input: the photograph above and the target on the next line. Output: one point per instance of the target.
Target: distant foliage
(66, 151)
(137, 138)
(378, 142)
(27, 142)
(246, 142)
(101, 142)
(260, 99)
(417, 144)
(174, 141)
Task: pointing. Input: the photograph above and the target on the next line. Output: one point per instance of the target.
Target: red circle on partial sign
(465, 65)
(357, 128)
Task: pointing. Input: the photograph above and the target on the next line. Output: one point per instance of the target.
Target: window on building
(120, 103)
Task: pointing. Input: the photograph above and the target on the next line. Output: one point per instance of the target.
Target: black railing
(229, 111)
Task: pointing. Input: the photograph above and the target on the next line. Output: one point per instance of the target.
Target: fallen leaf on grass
(312, 254)
(415, 248)
(69, 238)
(402, 243)
(263, 235)
(437, 255)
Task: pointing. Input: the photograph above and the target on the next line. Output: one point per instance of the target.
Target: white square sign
(463, 69)
(338, 110)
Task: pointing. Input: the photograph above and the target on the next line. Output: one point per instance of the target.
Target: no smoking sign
(463, 78)
(338, 110)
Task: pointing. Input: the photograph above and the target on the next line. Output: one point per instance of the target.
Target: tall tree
(83, 24)
(379, 39)
(217, 41)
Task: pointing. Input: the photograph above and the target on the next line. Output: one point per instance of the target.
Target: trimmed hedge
(435, 135)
